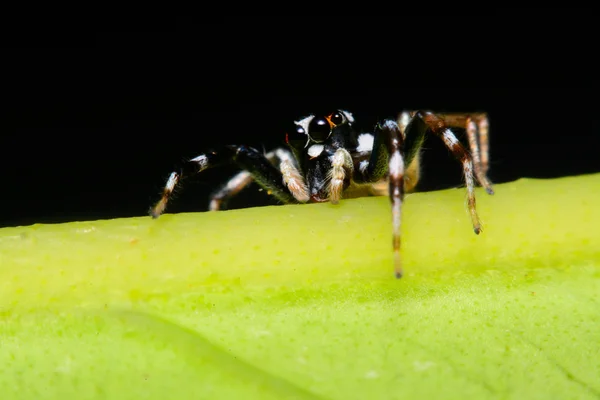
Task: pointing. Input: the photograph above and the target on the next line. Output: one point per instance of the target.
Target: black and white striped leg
(423, 121)
(393, 136)
(387, 159)
(247, 158)
(193, 166)
(476, 126)
(220, 197)
(280, 158)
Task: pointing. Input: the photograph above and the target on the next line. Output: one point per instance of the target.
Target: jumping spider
(327, 159)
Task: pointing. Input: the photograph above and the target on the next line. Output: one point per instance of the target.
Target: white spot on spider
(449, 138)
(238, 180)
(214, 205)
(365, 142)
(171, 182)
(396, 205)
(348, 115)
(396, 165)
(283, 154)
(364, 164)
(202, 161)
(304, 122)
(404, 120)
(337, 159)
(315, 150)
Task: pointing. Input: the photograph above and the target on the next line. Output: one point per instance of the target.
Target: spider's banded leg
(249, 159)
(477, 127)
(483, 128)
(191, 167)
(423, 121)
(387, 159)
(264, 172)
(220, 197)
(292, 176)
(279, 157)
(393, 138)
(412, 171)
(341, 164)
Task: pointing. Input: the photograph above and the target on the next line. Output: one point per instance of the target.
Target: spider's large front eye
(295, 135)
(319, 129)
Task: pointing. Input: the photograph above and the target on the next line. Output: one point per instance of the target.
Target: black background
(94, 121)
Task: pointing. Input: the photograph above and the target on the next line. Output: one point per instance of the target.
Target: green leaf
(300, 301)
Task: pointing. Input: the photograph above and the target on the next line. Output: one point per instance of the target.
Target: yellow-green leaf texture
(300, 301)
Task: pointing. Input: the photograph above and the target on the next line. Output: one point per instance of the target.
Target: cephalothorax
(326, 159)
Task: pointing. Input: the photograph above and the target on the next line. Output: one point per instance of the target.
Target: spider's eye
(319, 129)
(336, 118)
(295, 135)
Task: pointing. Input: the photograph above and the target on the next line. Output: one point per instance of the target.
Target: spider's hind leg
(424, 121)
(476, 126)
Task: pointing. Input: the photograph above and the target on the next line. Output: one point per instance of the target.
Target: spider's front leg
(278, 182)
(387, 159)
(279, 157)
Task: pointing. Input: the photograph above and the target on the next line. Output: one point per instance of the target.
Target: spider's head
(318, 129)
(313, 141)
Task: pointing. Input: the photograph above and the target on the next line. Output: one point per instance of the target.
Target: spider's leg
(412, 152)
(268, 176)
(483, 128)
(477, 127)
(249, 159)
(386, 159)
(341, 162)
(292, 176)
(279, 157)
(220, 197)
(375, 168)
(426, 121)
(195, 165)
